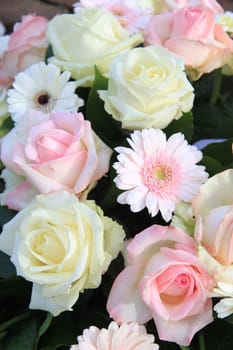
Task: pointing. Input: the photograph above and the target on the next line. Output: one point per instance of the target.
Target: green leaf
(212, 165)
(6, 126)
(7, 269)
(184, 125)
(23, 335)
(49, 53)
(212, 121)
(15, 289)
(66, 336)
(203, 87)
(218, 334)
(6, 215)
(102, 123)
(43, 328)
(220, 151)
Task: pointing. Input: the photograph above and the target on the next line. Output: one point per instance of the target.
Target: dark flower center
(43, 99)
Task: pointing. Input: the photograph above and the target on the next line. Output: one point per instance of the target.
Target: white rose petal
(92, 37)
(63, 246)
(147, 88)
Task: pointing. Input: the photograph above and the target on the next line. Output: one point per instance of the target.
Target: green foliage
(7, 268)
(6, 126)
(49, 53)
(23, 334)
(221, 152)
(104, 125)
(6, 215)
(62, 332)
(43, 328)
(183, 125)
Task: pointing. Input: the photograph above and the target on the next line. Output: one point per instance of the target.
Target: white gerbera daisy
(43, 88)
(130, 336)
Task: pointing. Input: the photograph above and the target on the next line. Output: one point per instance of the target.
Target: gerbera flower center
(160, 173)
(44, 102)
(156, 175)
(43, 99)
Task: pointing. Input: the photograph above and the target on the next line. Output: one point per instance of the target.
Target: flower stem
(14, 320)
(201, 340)
(182, 347)
(216, 87)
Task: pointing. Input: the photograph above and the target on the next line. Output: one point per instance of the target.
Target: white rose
(63, 246)
(147, 88)
(85, 39)
(223, 288)
(157, 6)
(183, 217)
(213, 210)
(226, 21)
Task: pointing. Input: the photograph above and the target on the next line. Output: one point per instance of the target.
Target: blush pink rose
(212, 4)
(131, 16)
(169, 285)
(27, 45)
(193, 34)
(17, 192)
(132, 19)
(61, 152)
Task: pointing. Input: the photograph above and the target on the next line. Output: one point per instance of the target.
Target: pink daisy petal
(158, 173)
(131, 336)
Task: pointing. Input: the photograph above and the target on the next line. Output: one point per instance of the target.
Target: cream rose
(213, 210)
(147, 88)
(91, 37)
(63, 246)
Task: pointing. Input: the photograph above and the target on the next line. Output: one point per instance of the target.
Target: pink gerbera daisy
(127, 336)
(158, 173)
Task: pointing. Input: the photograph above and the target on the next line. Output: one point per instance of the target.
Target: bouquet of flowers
(116, 125)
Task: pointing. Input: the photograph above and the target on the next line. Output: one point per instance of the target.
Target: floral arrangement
(116, 125)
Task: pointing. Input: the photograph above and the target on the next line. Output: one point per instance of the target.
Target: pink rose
(17, 192)
(192, 34)
(27, 45)
(164, 280)
(132, 19)
(130, 14)
(212, 4)
(61, 152)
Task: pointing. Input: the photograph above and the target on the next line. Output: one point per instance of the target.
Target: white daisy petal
(129, 336)
(42, 88)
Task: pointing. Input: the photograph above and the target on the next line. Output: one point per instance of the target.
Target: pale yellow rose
(213, 210)
(147, 88)
(223, 288)
(63, 246)
(90, 37)
(158, 6)
(183, 217)
(226, 21)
